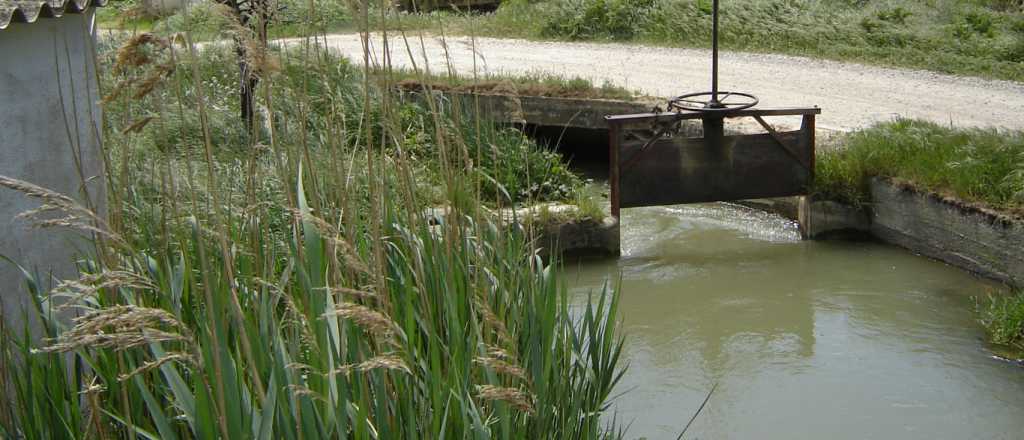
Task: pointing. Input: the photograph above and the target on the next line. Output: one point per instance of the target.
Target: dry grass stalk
(134, 52)
(137, 53)
(334, 237)
(384, 362)
(294, 315)
(170, 357)
(258, 59)
(302, 390)
(138, 125)
(372, 321)
(89, 284)
(347, 291)
(501, 366)
(119, 327)
(93, 409)
(154, 78)
(513, 396)
(58, 210)
(493, 321)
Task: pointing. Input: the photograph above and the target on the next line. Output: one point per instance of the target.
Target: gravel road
(850, 95)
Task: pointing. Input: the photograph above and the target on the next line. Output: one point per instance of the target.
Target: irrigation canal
(805, 339)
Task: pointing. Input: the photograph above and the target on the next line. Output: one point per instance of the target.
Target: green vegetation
(208, 20)
(285, 282)
(124, 14)
(972, 37)
(1004, 319)
(983, 166)
(983, 38)
(536, 84)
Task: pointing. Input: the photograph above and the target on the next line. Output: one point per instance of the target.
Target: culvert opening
(584, 149)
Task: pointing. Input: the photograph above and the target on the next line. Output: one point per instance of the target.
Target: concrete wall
(972, 238)
(49, 136)
(980, 241)
(540, 110)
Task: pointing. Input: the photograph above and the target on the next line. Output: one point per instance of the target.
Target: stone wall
(50, 120)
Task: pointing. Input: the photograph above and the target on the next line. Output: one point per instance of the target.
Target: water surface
(806, 340)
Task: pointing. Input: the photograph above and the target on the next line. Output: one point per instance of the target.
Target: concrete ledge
(586, 238)
(943, 228)
(538, 110)
(826, 219)
(556, 229)
(559, 230)
(980, 240)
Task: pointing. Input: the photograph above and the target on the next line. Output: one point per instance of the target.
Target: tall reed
(286, 282)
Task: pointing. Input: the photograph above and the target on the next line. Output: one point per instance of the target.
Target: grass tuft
(984, 166)
(1004, 318)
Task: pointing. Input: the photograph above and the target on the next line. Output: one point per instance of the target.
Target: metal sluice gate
(654, 161)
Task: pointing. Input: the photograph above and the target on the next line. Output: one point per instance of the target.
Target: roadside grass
(285, 282)
(1003, 316)
(982, 166)
(979, 38)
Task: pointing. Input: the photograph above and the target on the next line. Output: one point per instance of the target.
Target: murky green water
(806, 340)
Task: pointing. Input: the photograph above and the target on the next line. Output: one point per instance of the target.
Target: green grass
(983, 166)
(1003, 316)
(285, 282)
(952, 36)
(533, 84)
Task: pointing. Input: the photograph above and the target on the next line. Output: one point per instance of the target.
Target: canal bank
(804, 339)
(966, 235)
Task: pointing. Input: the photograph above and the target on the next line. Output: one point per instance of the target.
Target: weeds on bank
(983, 166)
(284, 282)
(536, 84)
(1003, 316)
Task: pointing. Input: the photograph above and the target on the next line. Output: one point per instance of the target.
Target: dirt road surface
(850, 95)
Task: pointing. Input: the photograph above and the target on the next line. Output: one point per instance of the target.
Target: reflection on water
(805, 339)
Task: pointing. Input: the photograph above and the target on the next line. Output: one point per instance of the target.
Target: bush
(976, 22)
(611, 19)
(897, 15)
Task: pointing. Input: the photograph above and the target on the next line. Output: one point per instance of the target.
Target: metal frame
(618, 124)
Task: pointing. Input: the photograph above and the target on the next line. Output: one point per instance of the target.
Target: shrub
(611, 19)
(897, 15)
(974, 22)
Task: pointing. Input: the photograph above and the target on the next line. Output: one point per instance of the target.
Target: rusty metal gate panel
(657, 169)
(687, 170)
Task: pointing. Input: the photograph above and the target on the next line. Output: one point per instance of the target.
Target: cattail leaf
(163, 425)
